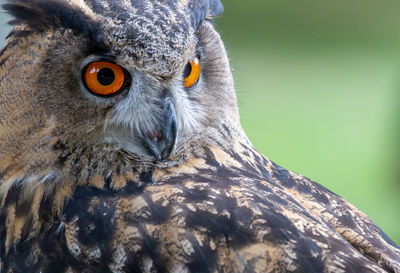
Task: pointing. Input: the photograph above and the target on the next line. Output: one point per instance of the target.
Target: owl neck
(38, 195)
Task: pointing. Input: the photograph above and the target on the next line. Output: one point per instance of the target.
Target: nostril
(155, 135)
(160, 141)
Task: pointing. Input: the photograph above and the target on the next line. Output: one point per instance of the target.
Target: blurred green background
(318, 86)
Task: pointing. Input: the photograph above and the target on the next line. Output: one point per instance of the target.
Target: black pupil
(188, 70)
(106, 76)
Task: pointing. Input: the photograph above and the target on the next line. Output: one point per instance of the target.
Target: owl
(121, 150)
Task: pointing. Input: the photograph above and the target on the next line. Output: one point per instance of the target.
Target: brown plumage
(158, 177)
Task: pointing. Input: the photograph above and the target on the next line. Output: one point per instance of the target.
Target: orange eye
(191, 74)
(104, 78)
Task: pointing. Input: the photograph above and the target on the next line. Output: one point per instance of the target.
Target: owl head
(149, 79)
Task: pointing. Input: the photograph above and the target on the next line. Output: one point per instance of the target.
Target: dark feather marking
(19, 33)
(220, 225)
(209, 158)
(63, 158)
(354, 266)
(273, 201)
(251, 174)
(14, 193)
(101, 220)
(40, 15)
(246, 170)
(307, 262)
(118, 168)
(281, 228)
(203, 258)
(283, 176)
(304, 188)
(194, 195)
(227, 132)
(77, 163)
(132, 187)
(255, 170)
(59, 145)
(152, 249)
(3, 236)
(322, 198)
(23, 207)
(9, 45)
(159, 213)
(223, 172)
(45, 207)
(101, 217)
(146, 177)
(65, 154)
(131, 264)
(20, 258)
(179, 179)
(2, 62)
(108, 181)
(51, 247)
(95, 228)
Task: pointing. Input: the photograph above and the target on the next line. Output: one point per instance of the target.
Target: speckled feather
(72, 203)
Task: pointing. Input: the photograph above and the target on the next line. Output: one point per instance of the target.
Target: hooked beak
(161, 143)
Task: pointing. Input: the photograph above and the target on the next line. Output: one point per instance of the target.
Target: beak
(161, 143)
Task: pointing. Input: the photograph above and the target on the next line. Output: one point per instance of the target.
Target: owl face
(145, 78)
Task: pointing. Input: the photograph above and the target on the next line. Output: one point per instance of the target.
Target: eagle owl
(121, 150)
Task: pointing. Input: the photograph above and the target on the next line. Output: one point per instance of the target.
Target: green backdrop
(318, 86)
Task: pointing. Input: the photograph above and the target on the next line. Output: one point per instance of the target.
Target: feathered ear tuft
(204, 9)
(215, 8)
(39, 15)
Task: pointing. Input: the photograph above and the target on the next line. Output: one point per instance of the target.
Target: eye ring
(104, 78)
(191, 74)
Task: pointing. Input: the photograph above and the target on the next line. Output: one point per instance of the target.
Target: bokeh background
(318, 85)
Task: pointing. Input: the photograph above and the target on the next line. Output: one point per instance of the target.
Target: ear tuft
(201, 10)
(215, 8)
(39, 15)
